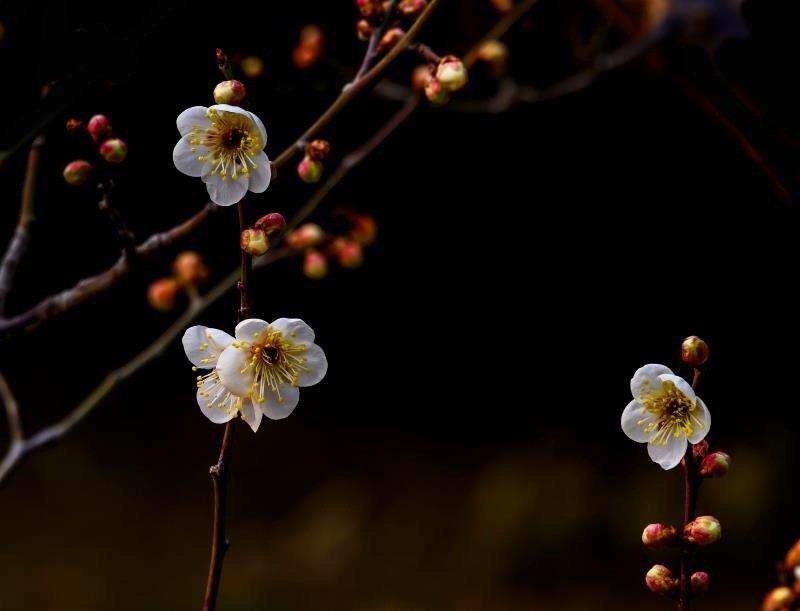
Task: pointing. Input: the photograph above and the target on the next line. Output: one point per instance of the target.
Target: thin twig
(125, 235)
(375, 39)
(691, 490)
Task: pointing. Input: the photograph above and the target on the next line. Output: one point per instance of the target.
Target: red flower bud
(309, 234)
(254, 242)
(309, 171)
(315, 265)
(694, 351)
(318, 150)
(657, 536)
(230, 92)
(349, 253)
(700, 582)
(99, 127)
(703, 531)
(114, 150)
(435, 93)
(190, 269)
(715, 464)
(659, 579)
(271, 224)
(162, 294)
(77, 172)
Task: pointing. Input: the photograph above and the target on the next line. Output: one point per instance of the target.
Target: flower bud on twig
(162, 294)
(114, 150)
(349, 253)
(700, 582)
(699, 451)
(99, 127)
(715, 464)
(309, 234)
(271, 224)
(434, 91)
(704, 530)
(694, 351)
(659, 579)
(657, 536)
(77, 172)
(318, 150)
(309, 171)
(452, 73)
(189, 268)
(315, 265)
(254, 242)
(230, 92)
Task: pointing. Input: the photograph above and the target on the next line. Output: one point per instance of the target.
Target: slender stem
(247, 264)
(425, 52)
(691, 490)
(376, 37)
(125, 236)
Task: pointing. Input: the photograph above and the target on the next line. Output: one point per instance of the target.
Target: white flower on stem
(258, 372)
(665, 413)
(223, 145)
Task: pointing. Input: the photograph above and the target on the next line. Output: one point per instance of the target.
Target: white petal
(261, 175)
(276, 409)
(252, 414)
(251, 330)
(681, 384)
(231, 369)
(646, 378)
(701, 429)
(316, 362)
(196, 115)
(295, 330)
(216, 393)
(187, 160)
(262, 130)
(226, 192)
(631, 416)
(198, 336)
(670, 455)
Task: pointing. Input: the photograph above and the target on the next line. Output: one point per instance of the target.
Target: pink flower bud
(411, 8)
(189, 268)
(451, 73)
(659, 579)
(700, 451)
(657, 535)
(694, 351)
(114, 150)
(309, 171)
(779, 599)
(77, 172)
(272, 223)
(715, 464)
(162, 294)
(99, 127)
(364, 229)
(434, 91)
(703, 531)
(700, 582)
(349, 253)
(230, 92)
(305, 236)
(315, 265)
(254, 242)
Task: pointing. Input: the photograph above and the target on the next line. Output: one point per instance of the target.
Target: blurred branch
(126, 237)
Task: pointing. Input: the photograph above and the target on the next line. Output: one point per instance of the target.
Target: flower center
(275, 361)
(670, 414)
(233, 141)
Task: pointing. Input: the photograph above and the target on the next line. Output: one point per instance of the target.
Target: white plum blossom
(223, 145)
(665, 413)
(257, 373)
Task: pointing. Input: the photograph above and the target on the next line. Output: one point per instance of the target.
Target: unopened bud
(779, 599)
(700, 451)
(694, 351)
(700, 582)
(315, 265)
(309, 234)
(657, 535)
(230, 92)
(99, 127)
(363, 30)
(349, 253)
(318, 150)
(77, 172)
(370, 9)
(364, 229)
(190, 269)
(452, 73)
(162, 294)
(309, 171)
(435, 93)
(411, 8)
(271, 224)
(659, 579)
(390, 39)
(252, 67)
(704, 530)
(74, 126)
(792, 560)
(715, 464)
(254, 242)
(114, 150)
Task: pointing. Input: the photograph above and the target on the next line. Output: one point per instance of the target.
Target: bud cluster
(310, 167)
(188, 273)
(109, 149)
(255, 240)
(440, 80)
(345, 247)
(786, 597)
(373, 13)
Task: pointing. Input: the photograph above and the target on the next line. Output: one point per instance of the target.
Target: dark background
(464, 450)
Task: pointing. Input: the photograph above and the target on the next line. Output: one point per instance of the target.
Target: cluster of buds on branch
(787, 596)
(310, 167)
(255, 240)
(109, 149)
(345, 246)
(666, 414)
(374, 14)
(188, 274)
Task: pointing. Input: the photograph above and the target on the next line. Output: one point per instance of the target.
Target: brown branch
(425, 52)
(125, 235)
(375, 39)
(247, 263)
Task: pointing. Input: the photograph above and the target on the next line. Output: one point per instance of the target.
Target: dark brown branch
(425, 52)
(247, 263)
(125, 235)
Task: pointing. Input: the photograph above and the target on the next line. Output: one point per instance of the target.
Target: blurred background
(464, 450)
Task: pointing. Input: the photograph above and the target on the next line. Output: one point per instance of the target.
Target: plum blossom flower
(223, 145)
(665, 413)
(258, 372)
